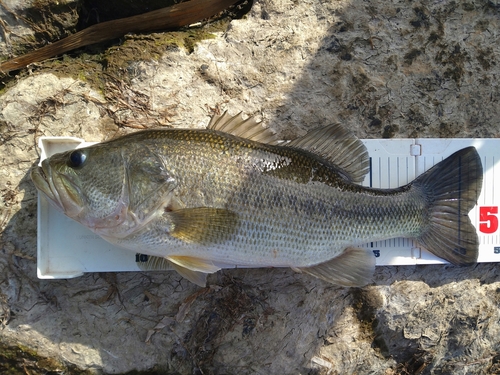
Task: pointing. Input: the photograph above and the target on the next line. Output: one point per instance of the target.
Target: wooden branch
(162, 19)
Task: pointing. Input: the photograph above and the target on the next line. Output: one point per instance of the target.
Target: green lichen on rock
(412, 55)
(390, 131)
(20, 360)
(153, 46)
(50, 21)
(111, 57)
(99, 63)
(454, 59)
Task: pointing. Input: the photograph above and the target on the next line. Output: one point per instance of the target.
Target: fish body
(228, 196)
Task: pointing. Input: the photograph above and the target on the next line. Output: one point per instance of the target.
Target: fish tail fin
(452, 188)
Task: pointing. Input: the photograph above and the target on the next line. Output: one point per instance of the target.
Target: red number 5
(488, 221)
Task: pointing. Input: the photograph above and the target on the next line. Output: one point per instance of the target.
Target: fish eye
(77, 159)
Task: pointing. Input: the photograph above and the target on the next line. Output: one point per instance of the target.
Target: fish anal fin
(202, 225)
(340, 147)
(353, 268)
(248, 128)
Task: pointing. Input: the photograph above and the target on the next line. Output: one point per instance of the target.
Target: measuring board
(66, 249)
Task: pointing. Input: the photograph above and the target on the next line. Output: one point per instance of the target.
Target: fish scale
(202, 200)
(316, 223)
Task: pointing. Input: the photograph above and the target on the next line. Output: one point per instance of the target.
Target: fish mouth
(54, 187)
(41, 179)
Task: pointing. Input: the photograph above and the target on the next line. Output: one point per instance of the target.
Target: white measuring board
(67, 249)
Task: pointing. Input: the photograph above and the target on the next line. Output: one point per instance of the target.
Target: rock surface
(391, 68)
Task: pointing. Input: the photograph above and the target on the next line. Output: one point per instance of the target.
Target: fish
(232, 195)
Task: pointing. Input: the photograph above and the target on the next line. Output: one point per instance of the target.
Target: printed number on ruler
(488, 219)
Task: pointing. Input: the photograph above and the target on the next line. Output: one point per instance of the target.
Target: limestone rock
(391, 68)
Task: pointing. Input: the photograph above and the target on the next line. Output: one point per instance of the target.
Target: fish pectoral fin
(354, 267)
(203, 225)
(192, 268)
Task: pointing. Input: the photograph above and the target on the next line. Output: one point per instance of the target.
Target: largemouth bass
(230, 196)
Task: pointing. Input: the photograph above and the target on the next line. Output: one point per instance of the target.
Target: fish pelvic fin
(353, 268)
(154, 263)
(192, 268)
(198, 278)
(193, 263)
(452, 188)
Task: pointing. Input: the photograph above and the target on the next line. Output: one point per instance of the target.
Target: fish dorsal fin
(340, 147)
(248, 128)
(354, 267)
(202, 225)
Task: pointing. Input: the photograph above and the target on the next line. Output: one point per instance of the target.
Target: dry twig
(162, 19)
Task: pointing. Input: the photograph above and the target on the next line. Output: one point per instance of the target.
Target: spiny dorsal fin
(354, 267)
(248, 128)
(203, 225)
(340, 147)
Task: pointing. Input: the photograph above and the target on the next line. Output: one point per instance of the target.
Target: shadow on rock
(273, 321)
